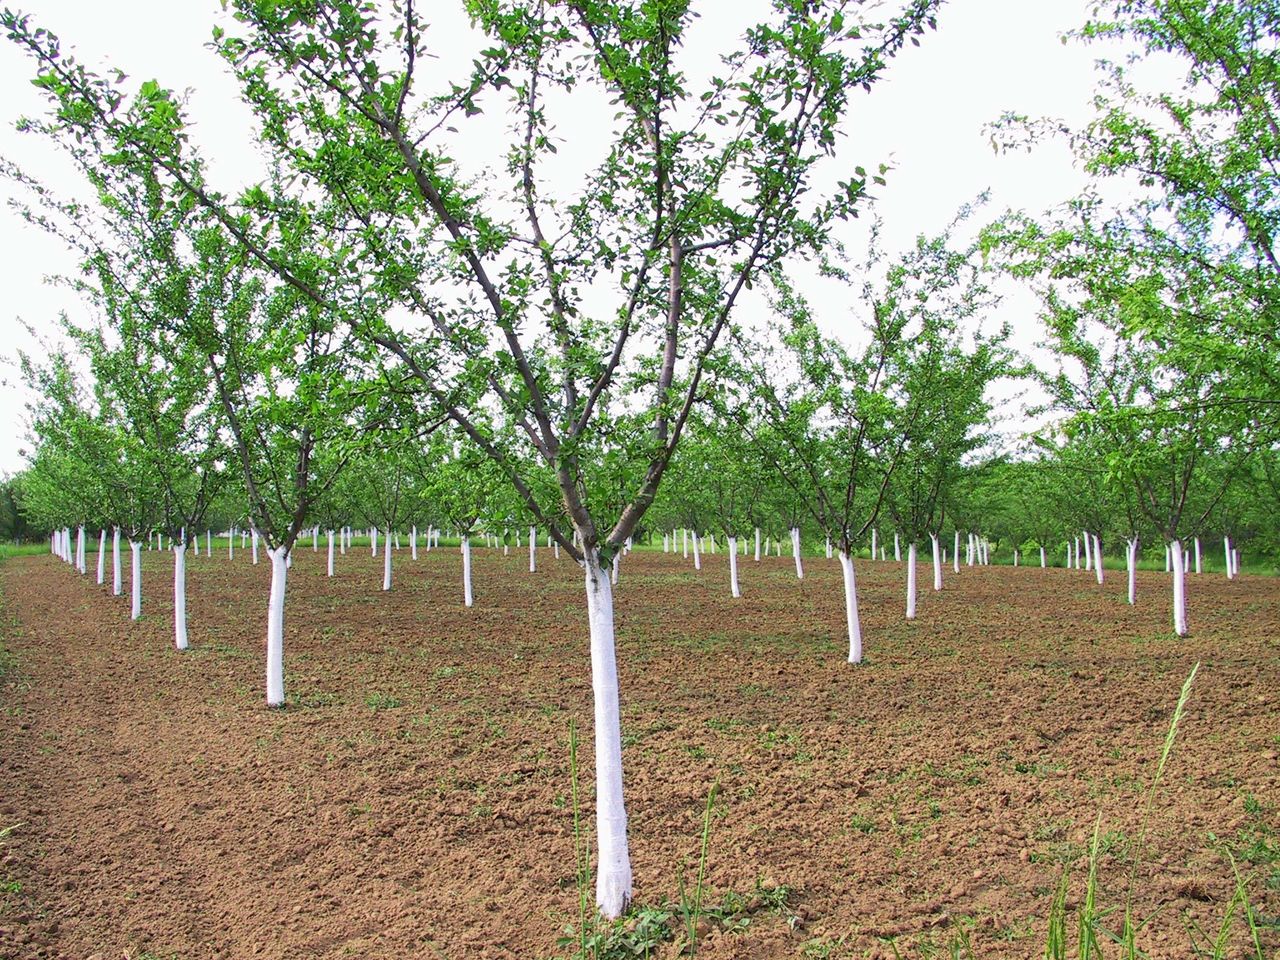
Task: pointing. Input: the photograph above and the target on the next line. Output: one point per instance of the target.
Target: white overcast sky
(926, 118)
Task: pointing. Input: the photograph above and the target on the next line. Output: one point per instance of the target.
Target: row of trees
(374, 326)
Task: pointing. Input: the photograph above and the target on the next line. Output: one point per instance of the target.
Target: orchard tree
(561, 308)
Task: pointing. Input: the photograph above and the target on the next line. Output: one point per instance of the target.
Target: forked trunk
(180, 596)
(851, 608)
(613, 873)
(275, 626)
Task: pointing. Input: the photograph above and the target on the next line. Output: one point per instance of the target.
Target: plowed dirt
(413, 798)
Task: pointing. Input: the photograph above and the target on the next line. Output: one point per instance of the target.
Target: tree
(696, 194)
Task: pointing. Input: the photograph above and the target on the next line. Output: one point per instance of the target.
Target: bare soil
(413, 799)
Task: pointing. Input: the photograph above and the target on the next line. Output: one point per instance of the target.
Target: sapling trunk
(733, 567)
(102, 556)
(386, 561)
(613, 873)
(937, 564)
(275, 626)
(1179, 590)
(135, 551)
(330, 537)
(911, 580)
(851, 608)
(180, 595)
(466, 570)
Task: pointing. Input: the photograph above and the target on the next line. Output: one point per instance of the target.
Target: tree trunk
(757, 560)
(533, 550)
(466, 570)
(851, 608)
(1179, 590)
(733, 567)
(102, 557)
(911, 580)
(1097, 557)
(180, 596)
(795, 552)
(275, 626)
(1043, 562)
(373, 541)
(255, 548)
(1088, 553)
(897, 552)
(955, 554)
(697, 556)
(613, 872)
(80, 564)
(1197, 542)
(413, 542)
(1226, 548)
(937, 563)
(1131, 557)
(116, 572)
(386, 561)
(873, 543)
(330, 533)
(135, 550)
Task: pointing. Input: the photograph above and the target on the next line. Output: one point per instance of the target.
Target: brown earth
(413, 798)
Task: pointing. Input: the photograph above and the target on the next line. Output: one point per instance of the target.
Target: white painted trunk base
(102, 557)
(330, 545)
(851, 608)
(533, 550)
(386, 562)
(795, 552)
(275, 626)
(466, 570)
(697, 556)
(911, 581)
(135, 552)
(1131, 569)
(117, 586)
(937, 564)
(733, 567)
(1097, 557)
(613, 871)
(1179, 590)
(180, 596)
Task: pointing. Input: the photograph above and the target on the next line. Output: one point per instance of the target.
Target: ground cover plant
(418, 786)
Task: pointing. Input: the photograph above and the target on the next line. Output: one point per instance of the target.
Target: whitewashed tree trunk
(1097, 557)
(666, 543)
(275, 626)
(102, 557)
(466, 570)
(873, 543)
(1088, 553)
(1167, 561)
(180, 596)
(373, 541)
(828, 545)
(135, 586)
(733, 567)
(1235, 562)
(413, 542)
(555, 547)
(851, 608)
(684, 541)
(1131, 569)
(208, 544)
(697, 556)
(255, 548)
(795, 552)
(897, 552)
(386, 561)
(533, 550)
(955, 554)
(116, 572)
(1179, 590)
(1043, 561)
(969, 551)
(315, 539)
(231, 544)
(1015, 556)
(937, 563)
(243, 540)
(80, 562)
(613, 874)
(614, 567)
(330, 545)
(757, 560)
(911, 580)
(1197, 543)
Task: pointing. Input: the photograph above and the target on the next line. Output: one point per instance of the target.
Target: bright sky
(926, 118)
